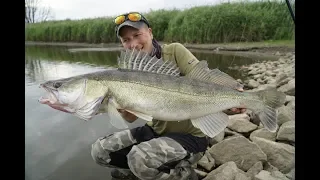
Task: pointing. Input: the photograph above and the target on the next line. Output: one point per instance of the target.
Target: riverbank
(265, 49)
(247, 151)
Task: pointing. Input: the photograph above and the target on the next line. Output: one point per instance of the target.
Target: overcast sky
(78, 9)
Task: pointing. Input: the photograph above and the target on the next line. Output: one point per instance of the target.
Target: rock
(280, 155)
(252, 83)
(265, 175)
(264, 133)
(200, 173)
(270, 73)
(288, 55)
(240, 123)
(269, 167)
(255, 169)
(239, 116)
(229, 133)
(283, 81)
(285, 113)
(254, 71)
(207, 162)
(287, 131)
(240, 81)
(292, 105)
(257, 76)
(226, 171)
(289, 99)
(266, 86)
(280, 77)
(217, 138)
(239, 150)
(291, 174)
(288, 88)
(279, 175)
(241, 176)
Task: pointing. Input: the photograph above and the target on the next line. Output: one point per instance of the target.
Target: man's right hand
(129, 117)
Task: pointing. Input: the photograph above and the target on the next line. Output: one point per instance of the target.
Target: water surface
(57, 144)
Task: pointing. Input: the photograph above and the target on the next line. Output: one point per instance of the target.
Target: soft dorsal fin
(203, 73)
(141, 61)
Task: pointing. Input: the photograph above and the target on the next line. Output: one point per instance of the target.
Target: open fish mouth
(51, 100)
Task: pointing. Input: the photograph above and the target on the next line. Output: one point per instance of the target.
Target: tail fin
(272, 99)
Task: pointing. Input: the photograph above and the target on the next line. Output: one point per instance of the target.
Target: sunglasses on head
(134, 17)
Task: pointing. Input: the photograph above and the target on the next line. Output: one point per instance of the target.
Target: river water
(57, 144)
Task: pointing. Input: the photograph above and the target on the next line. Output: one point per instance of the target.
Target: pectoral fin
(141, 115)
(115, 117)
(212, 124)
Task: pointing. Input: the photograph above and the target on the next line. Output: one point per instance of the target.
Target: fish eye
(57, 84)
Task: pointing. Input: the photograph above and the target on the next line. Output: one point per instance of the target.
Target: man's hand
(238, 110)
(129, 117)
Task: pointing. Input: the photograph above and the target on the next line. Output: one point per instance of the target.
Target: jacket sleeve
(184, 58)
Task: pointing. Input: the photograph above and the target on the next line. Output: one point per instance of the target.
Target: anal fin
(212, 124)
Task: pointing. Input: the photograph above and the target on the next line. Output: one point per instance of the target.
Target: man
(160, 149)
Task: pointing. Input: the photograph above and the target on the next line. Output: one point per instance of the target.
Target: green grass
(229, 22)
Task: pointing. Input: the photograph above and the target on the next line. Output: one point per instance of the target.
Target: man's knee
(145, 159)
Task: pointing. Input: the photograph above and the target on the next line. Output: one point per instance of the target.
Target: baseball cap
(135, 24)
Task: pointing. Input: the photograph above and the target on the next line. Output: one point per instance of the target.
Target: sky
(79, 9)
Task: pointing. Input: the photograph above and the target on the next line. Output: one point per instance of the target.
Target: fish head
(79, 96)
(64, 94)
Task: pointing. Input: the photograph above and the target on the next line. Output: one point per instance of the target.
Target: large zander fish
(152, 89)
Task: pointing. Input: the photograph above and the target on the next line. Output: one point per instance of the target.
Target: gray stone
(265, 175)
(252, 83)
(255, 169)
(207, 162)
(288, 88)
(200, 173)
(217, 138)
(263, 133)
(285, 113)
(240, 123)
(239, 150)
(226, 171)
(280, 155)
(269, 167)
(291, 174)
(287, 131)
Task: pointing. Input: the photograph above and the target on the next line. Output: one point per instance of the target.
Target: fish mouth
(51, 99)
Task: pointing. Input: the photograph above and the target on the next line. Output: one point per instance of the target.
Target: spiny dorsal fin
(203, 73)
(141, 61)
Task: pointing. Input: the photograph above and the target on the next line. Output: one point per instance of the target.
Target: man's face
(136, 38)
